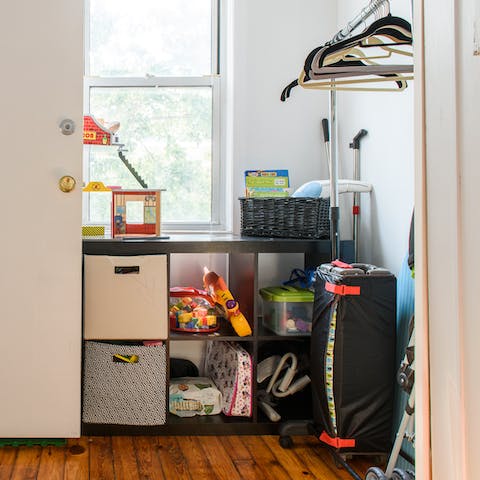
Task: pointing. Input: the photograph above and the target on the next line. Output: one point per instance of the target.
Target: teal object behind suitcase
(405, 310)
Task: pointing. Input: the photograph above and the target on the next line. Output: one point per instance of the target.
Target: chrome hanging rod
(366, 12)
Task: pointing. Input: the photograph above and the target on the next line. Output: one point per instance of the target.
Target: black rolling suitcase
(353, 357)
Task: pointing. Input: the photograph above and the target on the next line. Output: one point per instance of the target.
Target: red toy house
(136, 213)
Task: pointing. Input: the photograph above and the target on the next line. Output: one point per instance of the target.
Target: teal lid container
(287, 310)
(286, 293)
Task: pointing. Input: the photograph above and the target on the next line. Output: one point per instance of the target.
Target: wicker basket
(285, 217)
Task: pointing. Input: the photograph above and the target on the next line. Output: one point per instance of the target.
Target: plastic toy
(216, 286)
(96, 187)
(94, 230)
(192, 310)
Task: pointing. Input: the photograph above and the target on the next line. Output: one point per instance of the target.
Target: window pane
(155, 37)
(167, 133)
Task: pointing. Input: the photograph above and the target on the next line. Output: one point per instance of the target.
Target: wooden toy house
(136, 213)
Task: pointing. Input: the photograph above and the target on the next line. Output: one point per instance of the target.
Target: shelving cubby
(242, 261)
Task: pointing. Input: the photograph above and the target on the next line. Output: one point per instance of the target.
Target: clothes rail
(365, 13)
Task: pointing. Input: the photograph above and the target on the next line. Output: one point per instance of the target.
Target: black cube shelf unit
(242, 255)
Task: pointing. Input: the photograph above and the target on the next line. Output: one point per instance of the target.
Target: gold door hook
(66, 183)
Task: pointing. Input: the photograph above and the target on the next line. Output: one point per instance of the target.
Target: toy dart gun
(219, 291)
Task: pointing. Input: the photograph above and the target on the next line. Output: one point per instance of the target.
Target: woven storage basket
(285, 217)
(124, 393)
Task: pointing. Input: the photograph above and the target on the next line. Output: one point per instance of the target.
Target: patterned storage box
(124, 384)
(230, 367)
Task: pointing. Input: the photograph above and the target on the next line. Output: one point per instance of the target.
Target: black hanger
(396, 29)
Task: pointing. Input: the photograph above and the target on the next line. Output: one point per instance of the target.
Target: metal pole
(334, 210)
(370, 9)
(356, 196)
(356, 202)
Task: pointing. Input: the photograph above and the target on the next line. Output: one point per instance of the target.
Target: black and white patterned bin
(122, 392)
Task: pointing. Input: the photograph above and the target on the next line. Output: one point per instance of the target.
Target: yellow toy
(217, 288)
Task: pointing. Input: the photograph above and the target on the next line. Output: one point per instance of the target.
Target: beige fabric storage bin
(126, 298)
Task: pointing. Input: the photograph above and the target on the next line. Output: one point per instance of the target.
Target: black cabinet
(241, 256)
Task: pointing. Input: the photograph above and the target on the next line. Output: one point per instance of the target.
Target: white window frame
(216, 81)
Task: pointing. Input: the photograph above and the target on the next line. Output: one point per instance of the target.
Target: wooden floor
(176, 458)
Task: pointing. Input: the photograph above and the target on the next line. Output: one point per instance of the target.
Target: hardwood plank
(7, 461)
(171, 457)
(124, 459)
(52, 463)
(236, 448)
(244, 461)
(149, 466)
(77, 458)
(268, 464)
(197, 462)
(184, 457)
(317, 458)
(219, 458)
(289, 460)
(320, 458)
(101, 458)
(26, 463)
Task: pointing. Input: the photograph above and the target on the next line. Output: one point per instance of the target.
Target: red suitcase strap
(337, 442)
(342, 289)
(340, 264)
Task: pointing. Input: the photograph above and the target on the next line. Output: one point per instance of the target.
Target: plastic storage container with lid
(287, 310)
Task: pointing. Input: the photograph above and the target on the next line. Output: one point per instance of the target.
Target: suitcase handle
(340, 264)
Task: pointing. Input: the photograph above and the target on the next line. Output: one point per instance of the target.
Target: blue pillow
(309, 189)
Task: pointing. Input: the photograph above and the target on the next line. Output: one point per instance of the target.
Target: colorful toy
(94, 230)
(192, 310)
(216, 286)
(97, 132)
(96, 187)
(146, 206)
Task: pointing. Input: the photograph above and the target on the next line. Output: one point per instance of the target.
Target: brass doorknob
(66, 183)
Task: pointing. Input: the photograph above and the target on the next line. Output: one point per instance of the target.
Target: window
(152, 66)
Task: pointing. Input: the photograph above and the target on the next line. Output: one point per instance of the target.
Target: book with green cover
(267, 183)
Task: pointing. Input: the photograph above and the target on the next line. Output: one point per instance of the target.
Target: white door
(40, 269)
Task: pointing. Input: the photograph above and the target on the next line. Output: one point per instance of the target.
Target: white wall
(271, 41)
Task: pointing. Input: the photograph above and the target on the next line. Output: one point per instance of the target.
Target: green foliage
(167, 134)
